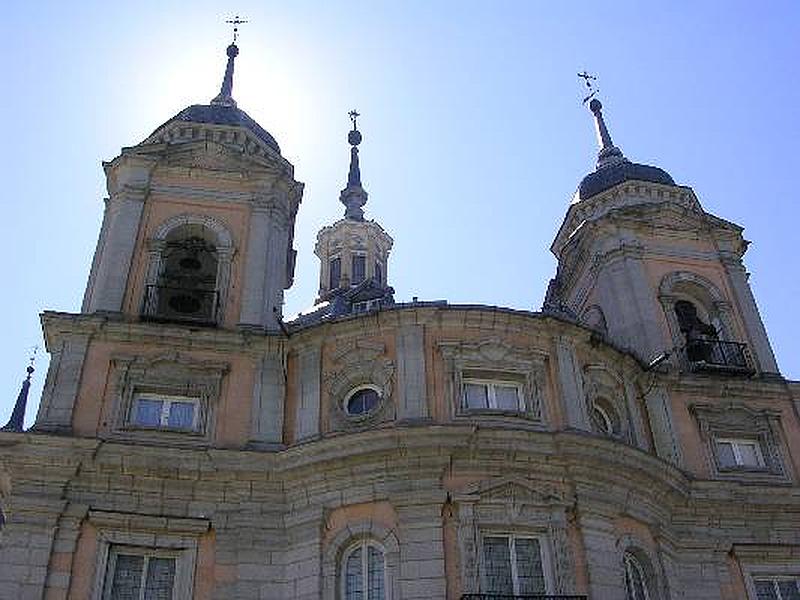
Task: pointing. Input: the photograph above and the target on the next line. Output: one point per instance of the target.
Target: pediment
(511, 490)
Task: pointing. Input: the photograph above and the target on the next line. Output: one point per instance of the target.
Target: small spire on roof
(354, 197)
(16, 422)
(225, 96)
(609, 154)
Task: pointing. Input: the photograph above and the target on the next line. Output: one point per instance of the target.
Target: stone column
(571, 383)
(308, 388)
(268, 400)
(603, 560)
(412, 402)
(665, 436)
(62, 384)
(756, 332)
(108, 283)
(422, 571)
(255, 269)
(629, 302)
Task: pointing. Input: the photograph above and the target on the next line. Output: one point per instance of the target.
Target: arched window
(187, 277)
(604, 417)
(638, 582)
(364, 572)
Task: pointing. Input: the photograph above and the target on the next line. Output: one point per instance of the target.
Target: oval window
(362, 401)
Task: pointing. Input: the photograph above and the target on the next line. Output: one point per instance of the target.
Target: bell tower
(196, 240)
(642, 263)
(354, 252)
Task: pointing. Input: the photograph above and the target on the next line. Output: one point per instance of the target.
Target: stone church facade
(633, 440)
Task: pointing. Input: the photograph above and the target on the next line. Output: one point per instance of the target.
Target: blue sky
(474, 134)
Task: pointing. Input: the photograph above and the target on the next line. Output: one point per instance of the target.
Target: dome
(220, 114)
(608, 176)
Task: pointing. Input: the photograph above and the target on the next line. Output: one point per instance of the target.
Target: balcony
(718, 356)
(169, 304)
(518, 597)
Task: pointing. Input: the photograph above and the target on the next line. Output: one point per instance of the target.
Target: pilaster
(412, 400)
(268, 400)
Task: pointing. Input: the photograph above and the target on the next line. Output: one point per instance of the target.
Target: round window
(362, 401)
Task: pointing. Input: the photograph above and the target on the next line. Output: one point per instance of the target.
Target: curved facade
(633, 440)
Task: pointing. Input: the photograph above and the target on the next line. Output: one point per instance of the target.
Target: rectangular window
(139, 574)
(165, 412)
(493, 394)
(777, 588)
(733, 453)
(359, 269)
(513, 566)
(335, 273)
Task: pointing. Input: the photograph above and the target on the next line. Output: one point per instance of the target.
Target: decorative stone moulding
(495, 356)
(170, 374)
(360, 364)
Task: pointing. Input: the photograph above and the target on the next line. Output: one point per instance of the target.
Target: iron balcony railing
(520, 597)
(718, 355)
(183, 305)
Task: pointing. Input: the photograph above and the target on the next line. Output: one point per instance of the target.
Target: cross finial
(236, 21)
(354, 114)
(587, 79)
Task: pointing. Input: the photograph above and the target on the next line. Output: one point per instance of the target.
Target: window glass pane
(506, 397)
(725, 454)
(748, 454)
(362, 402)
(359, 269)
(375, 574)
(353, 577)
(181, 415)
(789, 590)
(635, 584)
(497, 563)
(530, 576)
(476, 395)
(147, 412)
(127, 577)
(160, 578)
(335, 272)
(765, 590)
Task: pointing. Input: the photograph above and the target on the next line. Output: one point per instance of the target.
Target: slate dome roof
(221, 114)
(608, 176)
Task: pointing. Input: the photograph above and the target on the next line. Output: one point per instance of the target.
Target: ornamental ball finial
(233, 51)
(595, 105)
(354, 137)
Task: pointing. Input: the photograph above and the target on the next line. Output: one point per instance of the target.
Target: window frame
(167, 401)
(629, 561)
(116, 549)
(774, 578)
(349, 395)
(179, 537)
(363, 258)
(363, 544)
(491, 394)
(337, 259)
(735, 443)
(544, 557)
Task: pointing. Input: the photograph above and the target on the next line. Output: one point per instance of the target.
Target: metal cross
(587, 79)
(236, 21)
(353, 116)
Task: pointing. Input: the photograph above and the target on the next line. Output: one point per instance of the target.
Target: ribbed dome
(608, 176)
(219, 114)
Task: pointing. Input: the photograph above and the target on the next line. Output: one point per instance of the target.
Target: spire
(353, 196)
(15, 423)
(225, 97)
(609, 154)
